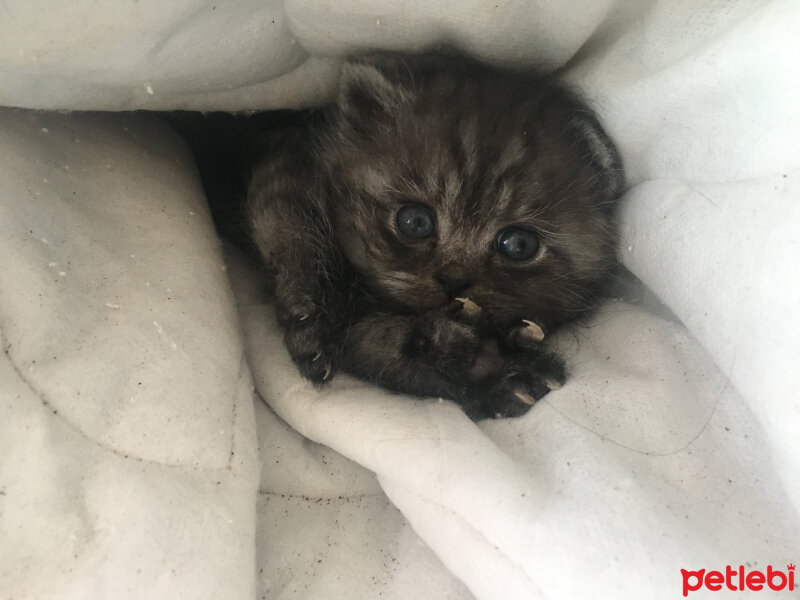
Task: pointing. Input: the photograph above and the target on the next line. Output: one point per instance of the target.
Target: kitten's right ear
(601, 151)
(367, 97)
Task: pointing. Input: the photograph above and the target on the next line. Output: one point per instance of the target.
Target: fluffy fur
(481, 151)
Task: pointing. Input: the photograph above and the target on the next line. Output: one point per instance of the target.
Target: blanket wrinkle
(317, 499)
(244, 372)
(184, 23)
(493, 556)
(462, 521)
(607, 439)
(108, 448)
(414, 438)
(46, 404)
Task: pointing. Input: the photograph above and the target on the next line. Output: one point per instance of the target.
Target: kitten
(429, 227)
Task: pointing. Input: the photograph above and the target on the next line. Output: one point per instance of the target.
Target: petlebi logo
(739, 579)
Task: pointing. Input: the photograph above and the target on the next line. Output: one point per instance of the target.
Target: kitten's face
(468, 184)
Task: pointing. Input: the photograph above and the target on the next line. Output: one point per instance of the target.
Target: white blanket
(134, 464)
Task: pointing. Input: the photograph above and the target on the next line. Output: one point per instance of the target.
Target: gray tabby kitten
(431, 226)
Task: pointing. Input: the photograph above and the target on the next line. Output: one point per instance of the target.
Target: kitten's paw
(445, 343)
(488, 363)
(525, 379)
(309, 341)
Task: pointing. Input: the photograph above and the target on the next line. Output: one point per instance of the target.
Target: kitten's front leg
(449, 353)
(315, 297)
(291, 228)
(313, 319)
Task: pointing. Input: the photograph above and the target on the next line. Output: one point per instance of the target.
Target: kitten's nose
(453, 279)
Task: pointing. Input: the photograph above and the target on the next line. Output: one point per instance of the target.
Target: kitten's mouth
(422, 303)
(416, 306)
(462, 307)
(420, 308)
(419, 300)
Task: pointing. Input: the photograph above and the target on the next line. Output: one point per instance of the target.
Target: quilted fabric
(135, 460)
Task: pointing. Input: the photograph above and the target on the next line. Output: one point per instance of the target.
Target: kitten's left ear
(367, 96)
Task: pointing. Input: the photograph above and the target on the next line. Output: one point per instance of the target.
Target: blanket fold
(128, 442)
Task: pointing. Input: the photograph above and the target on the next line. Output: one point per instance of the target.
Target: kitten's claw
(531, 331)
(469, 307)
(317, 368)
(552, 384)
(525, 397)
(528, 335)
(312, 346)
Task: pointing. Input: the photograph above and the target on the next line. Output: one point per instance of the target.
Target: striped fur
(484, 150)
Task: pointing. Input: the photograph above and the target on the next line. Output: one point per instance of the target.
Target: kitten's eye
(415, 221)
(517, 243)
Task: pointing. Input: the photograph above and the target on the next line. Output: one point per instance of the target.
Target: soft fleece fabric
(136, 459)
